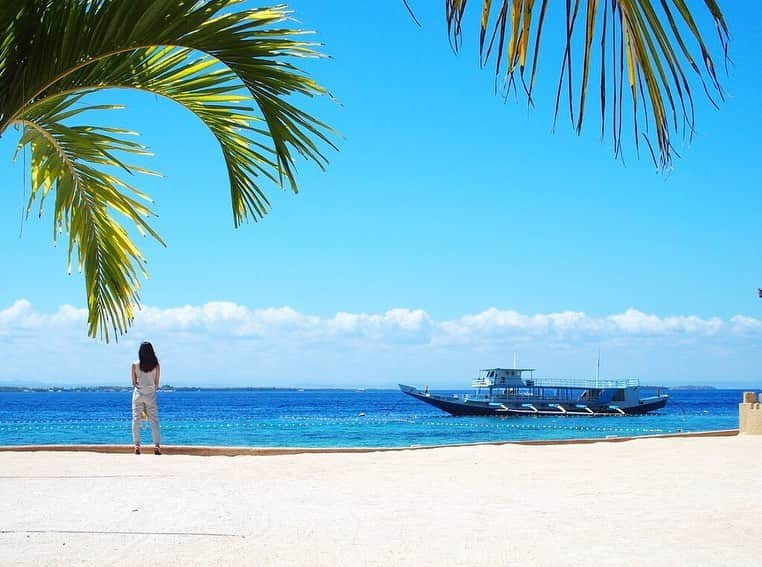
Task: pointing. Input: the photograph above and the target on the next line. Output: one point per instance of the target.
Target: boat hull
(459, 406)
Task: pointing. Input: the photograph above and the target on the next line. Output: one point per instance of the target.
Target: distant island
(692, 387)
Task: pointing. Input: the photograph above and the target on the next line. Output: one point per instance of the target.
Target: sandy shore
(679, 501)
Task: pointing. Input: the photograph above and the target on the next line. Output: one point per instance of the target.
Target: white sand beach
(678, 501)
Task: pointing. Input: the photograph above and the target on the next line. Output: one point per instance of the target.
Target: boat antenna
(598, 366)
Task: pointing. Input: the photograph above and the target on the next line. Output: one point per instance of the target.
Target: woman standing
(145, 382)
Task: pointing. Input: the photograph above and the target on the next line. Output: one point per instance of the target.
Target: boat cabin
(503, 378)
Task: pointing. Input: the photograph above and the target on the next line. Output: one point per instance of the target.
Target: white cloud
(495, 323)
(492, 324)
(639, 323)
(743, 324)
(230, 319)
(393, 326)
(225, 342)
(21, 315)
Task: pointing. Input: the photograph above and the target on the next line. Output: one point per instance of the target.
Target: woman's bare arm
(134, 376)
(158, 371)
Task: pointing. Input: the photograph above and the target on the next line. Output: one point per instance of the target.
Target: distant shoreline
(169, 388)
(183, 389)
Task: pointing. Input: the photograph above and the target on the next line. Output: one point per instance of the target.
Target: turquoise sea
(325, 418)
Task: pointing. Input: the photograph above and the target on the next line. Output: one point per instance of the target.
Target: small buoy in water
(362, 414)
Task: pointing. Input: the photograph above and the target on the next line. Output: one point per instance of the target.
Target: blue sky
(451, 229)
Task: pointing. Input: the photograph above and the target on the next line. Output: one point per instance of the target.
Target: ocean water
(320, 418)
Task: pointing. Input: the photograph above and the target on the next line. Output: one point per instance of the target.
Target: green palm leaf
(640, 43)
(230, 67)
(69, 160)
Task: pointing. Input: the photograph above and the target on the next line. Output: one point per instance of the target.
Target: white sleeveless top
(146, 380)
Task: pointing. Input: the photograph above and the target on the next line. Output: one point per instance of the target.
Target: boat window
(618, 396)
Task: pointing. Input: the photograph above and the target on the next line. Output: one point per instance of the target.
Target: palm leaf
(70, 161)
(642, 42)
(229, 66)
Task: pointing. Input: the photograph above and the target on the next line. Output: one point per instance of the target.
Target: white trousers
(145, 403)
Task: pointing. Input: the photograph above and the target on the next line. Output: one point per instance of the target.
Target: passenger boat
(515, 391)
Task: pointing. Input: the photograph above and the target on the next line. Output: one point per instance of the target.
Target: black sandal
(137, 449)
(156, 451)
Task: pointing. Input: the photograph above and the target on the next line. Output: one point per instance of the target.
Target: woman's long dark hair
(147, 357)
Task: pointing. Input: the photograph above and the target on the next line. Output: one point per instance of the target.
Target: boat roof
(519, 369)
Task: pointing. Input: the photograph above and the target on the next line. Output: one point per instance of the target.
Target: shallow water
(320, 418)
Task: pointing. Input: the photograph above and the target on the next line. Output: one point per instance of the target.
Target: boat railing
(556, 383)
(496, 383)
(582, 383)
(567, 397)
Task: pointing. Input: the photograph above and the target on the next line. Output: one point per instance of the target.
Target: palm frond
(641, 43)
(138, 53)
(75, 163)
(232, 67)
(213, 93)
